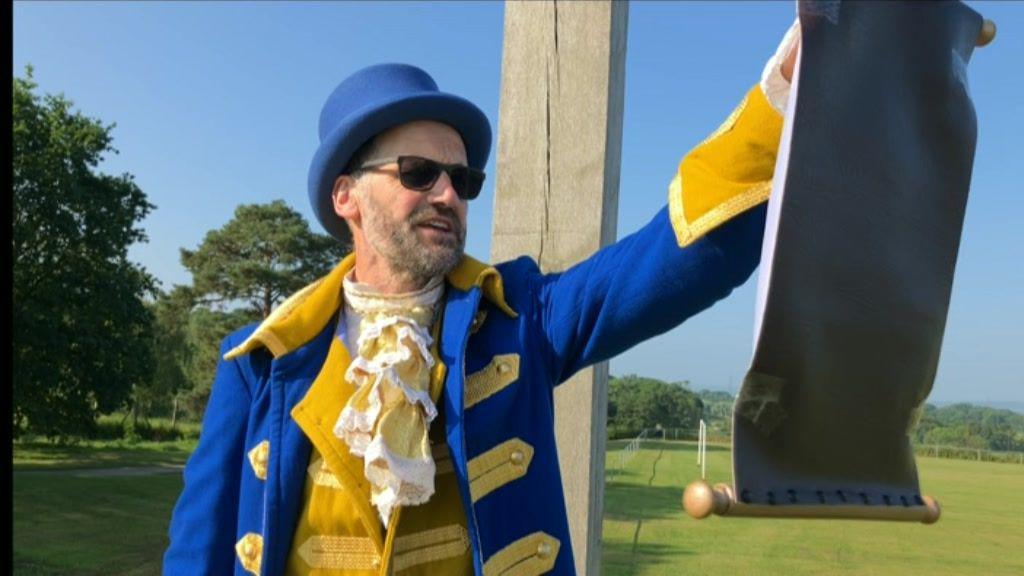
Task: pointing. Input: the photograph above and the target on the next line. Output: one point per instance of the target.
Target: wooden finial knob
(934, 511)
(700, 500)
(988, 32)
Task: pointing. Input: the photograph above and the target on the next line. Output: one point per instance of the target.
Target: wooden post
(559, 145)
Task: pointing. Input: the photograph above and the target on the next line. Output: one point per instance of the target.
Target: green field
(100, 454)
(646, 532)
(69, 522)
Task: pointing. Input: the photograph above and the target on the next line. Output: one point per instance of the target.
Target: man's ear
(344, 198)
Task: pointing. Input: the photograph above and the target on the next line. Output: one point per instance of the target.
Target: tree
(172, 352)
(81, 330)
(717, 411)
(970, 426)
(635, 403)
(186, 346)
(206, 329)
(265, 253)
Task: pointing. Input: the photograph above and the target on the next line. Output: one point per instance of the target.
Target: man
(397, 415)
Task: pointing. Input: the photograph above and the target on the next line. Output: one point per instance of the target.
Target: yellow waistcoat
(338, 533)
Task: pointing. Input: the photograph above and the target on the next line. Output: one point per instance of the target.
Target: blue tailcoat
(641, 286)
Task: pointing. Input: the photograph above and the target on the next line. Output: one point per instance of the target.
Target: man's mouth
(439, 224)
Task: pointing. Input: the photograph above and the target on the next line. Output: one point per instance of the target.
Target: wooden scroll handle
(988, 32)
(700, 500)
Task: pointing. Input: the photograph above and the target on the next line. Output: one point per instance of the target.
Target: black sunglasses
(420, 174)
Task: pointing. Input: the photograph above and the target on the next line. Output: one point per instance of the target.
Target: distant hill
(995, 426)
(1010, 405)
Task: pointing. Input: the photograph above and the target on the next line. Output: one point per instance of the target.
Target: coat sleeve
(204, 521)
(694, 252)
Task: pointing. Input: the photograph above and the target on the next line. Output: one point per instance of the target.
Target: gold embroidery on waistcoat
(250, 552)
(258, 458)
(429, 546)
(533, 554)
(340, 553)
(322, 475)
(498, 466)
(502, 371)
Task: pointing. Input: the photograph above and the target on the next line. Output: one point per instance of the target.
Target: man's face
(419, 234)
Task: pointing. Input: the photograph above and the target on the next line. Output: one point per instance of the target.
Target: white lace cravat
(387, 418)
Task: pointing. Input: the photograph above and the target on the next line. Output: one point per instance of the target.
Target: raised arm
(694, 252)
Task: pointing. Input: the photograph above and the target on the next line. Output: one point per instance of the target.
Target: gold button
(249, 550)
(376, 563)
(259, 457)
(543, 550)
(517, 457)
(503, 368)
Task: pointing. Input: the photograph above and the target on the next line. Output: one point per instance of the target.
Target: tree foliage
(265, 253)
(970, 426)
(957, 425)
(717, 411)
(636, 403)
(186, 345)
(207, 328)
(81, 330)
(172, 354)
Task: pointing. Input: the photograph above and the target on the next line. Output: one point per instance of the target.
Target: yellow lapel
(316, 415)
(299, 318)
(304, 314)
(318, 411)
(471, 272)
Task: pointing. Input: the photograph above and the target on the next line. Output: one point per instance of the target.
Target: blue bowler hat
(371, 101)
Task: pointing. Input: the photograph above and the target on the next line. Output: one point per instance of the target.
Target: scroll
(863, 229)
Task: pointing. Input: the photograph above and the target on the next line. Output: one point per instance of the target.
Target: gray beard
(397, 242)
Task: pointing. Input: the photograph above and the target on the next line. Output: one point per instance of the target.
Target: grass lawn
(646, 531)
(65, 523)
(100, 454)
(70, 524)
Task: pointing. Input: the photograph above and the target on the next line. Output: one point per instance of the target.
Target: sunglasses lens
(419, 173)
(467, 182)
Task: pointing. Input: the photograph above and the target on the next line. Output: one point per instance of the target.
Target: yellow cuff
(729, 172)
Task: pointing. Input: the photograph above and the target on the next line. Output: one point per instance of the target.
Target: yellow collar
(304, 314)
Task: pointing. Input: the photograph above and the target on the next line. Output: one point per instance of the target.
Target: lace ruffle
(386, 420)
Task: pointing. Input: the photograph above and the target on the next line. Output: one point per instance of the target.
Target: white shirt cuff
(773, 84)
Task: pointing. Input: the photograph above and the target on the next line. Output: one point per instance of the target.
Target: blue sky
(216, 104)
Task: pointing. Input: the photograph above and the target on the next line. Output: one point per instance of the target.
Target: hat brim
(337, 148)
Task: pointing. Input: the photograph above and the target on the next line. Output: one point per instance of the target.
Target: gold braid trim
(498, 466)
(687, 232)
(340, 553)
(429, 546)
(502, 371)
(530, 555)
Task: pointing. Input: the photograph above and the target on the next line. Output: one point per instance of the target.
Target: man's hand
(790, 62)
